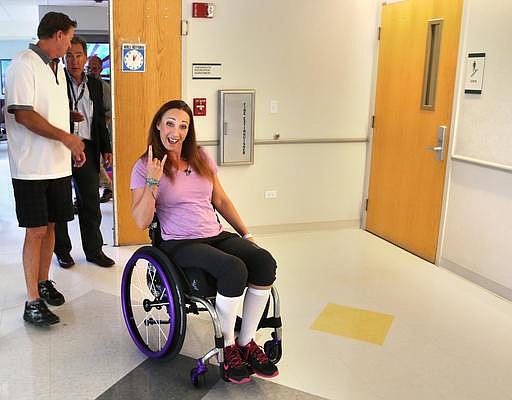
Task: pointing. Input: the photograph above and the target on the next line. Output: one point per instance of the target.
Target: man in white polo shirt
(40, 151)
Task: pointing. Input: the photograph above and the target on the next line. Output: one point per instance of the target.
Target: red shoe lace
(257, 352)
(232, 356)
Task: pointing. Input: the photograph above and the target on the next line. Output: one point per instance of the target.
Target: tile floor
(445, 338)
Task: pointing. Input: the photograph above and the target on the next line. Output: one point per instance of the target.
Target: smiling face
(173, 127)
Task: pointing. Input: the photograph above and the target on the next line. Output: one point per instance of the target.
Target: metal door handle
(439, 149)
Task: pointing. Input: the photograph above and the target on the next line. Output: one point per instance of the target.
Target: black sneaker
(235, 370)
(49, 294)
(257, 360)
(106, 196)
(37, 313)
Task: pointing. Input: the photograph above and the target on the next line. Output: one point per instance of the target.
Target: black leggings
(230, 259)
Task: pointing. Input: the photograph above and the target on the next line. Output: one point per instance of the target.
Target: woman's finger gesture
(155, 167)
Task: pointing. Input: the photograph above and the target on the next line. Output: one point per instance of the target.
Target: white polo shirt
(31, 85)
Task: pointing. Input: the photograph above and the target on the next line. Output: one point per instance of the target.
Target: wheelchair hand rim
(134, 334)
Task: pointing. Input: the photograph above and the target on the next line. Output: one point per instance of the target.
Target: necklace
(185, 168)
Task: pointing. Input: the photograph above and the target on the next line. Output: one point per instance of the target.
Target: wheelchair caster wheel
(198, 376)
(273, 350)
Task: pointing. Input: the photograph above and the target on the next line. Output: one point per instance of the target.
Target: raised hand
(155, 167)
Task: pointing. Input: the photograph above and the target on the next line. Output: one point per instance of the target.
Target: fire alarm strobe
(203, 10)
(199, 107)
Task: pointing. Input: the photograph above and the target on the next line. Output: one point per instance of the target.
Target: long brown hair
(189, 149)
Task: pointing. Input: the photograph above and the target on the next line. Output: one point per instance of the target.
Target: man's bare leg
(32, 259)
(47, 245)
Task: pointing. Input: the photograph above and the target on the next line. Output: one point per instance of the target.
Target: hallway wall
(316, 60)
(477, 220)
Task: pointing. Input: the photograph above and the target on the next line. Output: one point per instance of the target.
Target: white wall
(15, 37)
(477, 228)
(316, 59)
(90, 19)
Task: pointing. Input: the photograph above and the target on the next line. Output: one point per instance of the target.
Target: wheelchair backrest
(154, 231)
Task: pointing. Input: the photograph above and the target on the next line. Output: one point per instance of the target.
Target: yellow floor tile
(368, 326)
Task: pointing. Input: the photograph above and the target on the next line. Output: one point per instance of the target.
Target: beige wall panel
(137, 95)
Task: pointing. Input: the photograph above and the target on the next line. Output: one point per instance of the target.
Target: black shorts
(39, 202)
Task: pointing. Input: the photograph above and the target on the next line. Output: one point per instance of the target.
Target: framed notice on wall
(236, 123)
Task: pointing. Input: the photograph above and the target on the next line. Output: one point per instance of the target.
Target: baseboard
(478, 279)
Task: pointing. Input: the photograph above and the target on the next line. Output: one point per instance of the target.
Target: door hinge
(378, 33)
(373, 122)
(366, 205)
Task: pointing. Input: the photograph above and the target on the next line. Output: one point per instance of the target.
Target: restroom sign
(475, 65)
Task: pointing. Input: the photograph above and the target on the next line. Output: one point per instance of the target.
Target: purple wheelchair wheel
(153, 303)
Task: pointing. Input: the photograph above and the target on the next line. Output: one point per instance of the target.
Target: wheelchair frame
(155, 293)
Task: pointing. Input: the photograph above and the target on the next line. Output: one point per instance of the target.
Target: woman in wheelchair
(177, 180)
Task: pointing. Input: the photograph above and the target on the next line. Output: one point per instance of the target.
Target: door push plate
(439, 149)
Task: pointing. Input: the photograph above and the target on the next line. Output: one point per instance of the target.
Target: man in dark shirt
(88, 122)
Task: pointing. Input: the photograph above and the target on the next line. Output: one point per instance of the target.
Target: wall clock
(134, 58)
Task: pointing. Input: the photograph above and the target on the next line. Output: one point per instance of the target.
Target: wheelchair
(157, 295)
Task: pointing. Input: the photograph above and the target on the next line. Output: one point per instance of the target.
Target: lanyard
(80, 95)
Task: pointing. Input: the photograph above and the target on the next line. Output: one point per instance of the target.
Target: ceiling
(17, 15)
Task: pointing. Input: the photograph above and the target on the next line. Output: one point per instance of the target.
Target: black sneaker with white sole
(49, 294)
(37, 313)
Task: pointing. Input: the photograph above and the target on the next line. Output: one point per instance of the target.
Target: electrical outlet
(270, 194)
(274, 105)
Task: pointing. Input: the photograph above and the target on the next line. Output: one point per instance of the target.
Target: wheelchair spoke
(139, 288)
(160, 331)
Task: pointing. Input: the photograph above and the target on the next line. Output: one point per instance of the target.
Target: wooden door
(138, 95)
(405, 192)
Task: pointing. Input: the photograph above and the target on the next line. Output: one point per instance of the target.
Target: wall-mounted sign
(206, 71)
(203, 10)
(134, 57)
(236, 121)
(199, 106)
(474, 73)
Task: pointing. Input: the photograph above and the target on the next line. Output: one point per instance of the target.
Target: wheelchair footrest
(270, 322)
